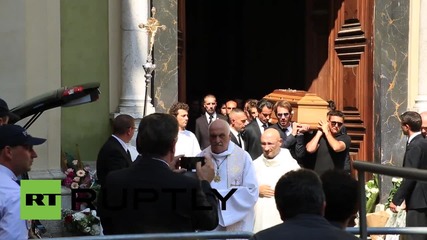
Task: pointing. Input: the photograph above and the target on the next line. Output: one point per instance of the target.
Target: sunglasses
(280, 115)
(333, 123)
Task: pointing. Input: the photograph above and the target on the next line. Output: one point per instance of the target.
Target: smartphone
(189, 163)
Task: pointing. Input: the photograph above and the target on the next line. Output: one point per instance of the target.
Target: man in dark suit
(301, 203)
(237, 119)
(114, 155)
(292, 133)
(424, 123)
(413, 192)
(202, 122)
(253, 131)
(151, 196)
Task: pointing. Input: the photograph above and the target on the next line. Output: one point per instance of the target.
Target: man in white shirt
(269, 167)
(233, 170)
(16, 157)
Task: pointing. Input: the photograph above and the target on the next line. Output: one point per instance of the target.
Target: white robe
(187, 144)
(239, 212)
(268, 172)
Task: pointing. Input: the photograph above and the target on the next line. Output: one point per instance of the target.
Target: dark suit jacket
(201, 129)
(304, 227)
(295, 144)
(252, 138)
(413, 191)
(158, 200)
(111, 156)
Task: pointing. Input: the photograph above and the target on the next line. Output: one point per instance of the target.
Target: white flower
(78, 216)
(75, 161)
(76, 179)
(96, 230)
(74, 185)
(86, 230)
(395, 180)
(80, 173)
(93, 212)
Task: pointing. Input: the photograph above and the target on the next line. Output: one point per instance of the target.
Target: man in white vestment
(233, 170)
(269, 167)
(187, 144)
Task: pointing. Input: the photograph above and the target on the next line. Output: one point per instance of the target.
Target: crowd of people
(278, 179)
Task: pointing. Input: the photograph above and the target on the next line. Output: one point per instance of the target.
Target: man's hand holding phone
(206, 171)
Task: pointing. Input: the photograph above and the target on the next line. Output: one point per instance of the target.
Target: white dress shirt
(11, 224)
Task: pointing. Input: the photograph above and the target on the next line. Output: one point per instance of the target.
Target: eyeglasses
(280, 115)
(333, 123)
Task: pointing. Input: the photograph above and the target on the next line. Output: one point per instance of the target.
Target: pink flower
(76, 179)
(71, 174)
(68, 181)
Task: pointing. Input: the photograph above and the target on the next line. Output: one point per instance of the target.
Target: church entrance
(247, 48)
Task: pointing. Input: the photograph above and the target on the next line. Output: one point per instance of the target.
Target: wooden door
(342, 72)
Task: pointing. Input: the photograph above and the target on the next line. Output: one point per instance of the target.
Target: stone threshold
(49, 174)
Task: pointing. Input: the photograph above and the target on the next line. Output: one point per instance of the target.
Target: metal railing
(410, 173)
(182, 235)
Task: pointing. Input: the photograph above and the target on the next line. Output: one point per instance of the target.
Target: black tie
(239, 139)
(130, 156)
(265, 126)
(210, 119)
(18, 181)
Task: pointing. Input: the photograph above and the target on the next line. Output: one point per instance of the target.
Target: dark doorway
(244, 48)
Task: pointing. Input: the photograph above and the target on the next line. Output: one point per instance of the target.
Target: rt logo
(40, 199)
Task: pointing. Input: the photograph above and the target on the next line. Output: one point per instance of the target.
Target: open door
(346, 75)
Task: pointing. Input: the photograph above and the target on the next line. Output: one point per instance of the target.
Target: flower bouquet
(81, 223)
(372, 191)
(78, 176)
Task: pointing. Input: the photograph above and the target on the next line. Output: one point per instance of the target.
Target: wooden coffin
(307, 107)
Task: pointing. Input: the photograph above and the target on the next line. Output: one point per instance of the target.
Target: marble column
(135, 49)
(390, 83)
(421, 99)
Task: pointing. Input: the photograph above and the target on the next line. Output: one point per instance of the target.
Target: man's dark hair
(336, 113)
(173, 110)
(299, 192)
(122, 123)
(413, 119)
(342, 195)
(264, 103)
(157, 134)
